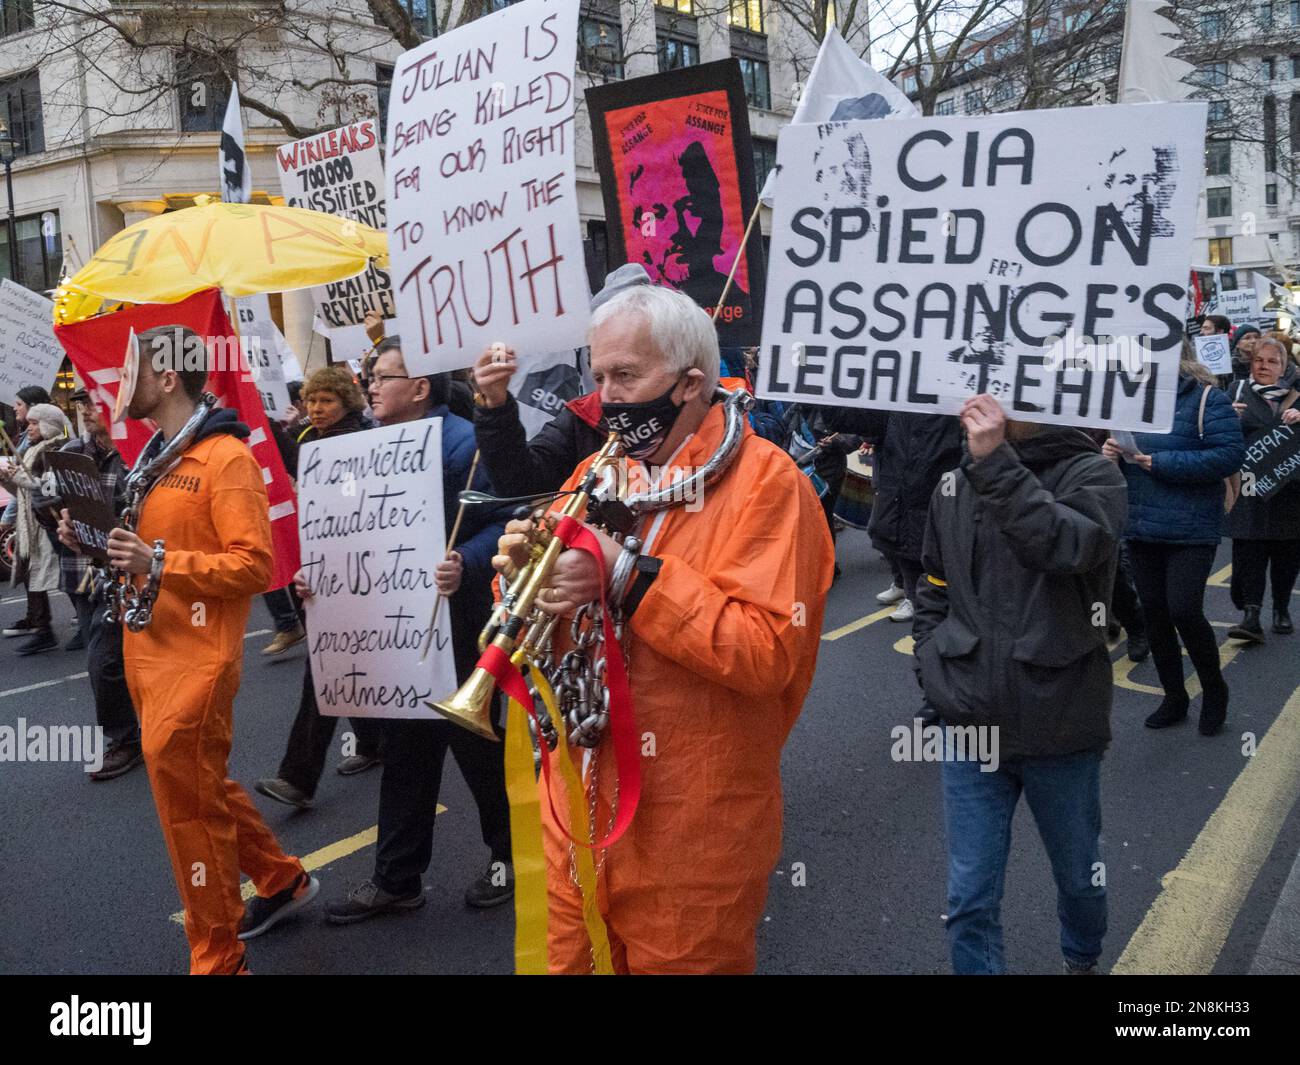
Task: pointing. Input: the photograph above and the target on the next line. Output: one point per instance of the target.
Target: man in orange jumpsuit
(721, 644)
(183, 670)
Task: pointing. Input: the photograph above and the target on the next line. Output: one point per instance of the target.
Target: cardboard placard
(76, 478)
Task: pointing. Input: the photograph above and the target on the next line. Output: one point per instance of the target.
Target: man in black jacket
(516, 465)
(1010, 644)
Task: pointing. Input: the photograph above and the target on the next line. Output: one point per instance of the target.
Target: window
(764, 158)
(1212, 25)
(1268, 69)
(909, 84)
(1295, 12)
(1218, 202)
(421, 13)
(1220, 251)
(1295, 66)
(384, 78)
(496, 5)
(946, 107)
(20, 108)
(16, 16)
(682, 7)
(974, 102)
(203, 91)
(1218, 157)
(1294, 120)
(747, 15)
(1219, 113)
(600, 47)
(39, 251)
(758, 91)
(1270, 194)
(675, 54)
(1002, 92)
(1213, 74)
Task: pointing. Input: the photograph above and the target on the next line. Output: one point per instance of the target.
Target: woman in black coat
(1265, 532)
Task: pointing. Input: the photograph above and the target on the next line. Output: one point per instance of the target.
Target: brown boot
(284, 640)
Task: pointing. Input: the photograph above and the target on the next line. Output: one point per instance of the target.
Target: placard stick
(736, 265)
(451, 542)
(9, 444)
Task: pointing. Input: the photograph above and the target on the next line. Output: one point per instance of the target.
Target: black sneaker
(77, 643)
(368, 899)
(117, 761)
(282, 791)
(1282, 623)
(358, 763)
(19, 628)
(1139, 647)
(39, 643)
(495, 886)
(261, 915)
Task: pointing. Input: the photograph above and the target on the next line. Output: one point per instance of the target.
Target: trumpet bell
(470, 705)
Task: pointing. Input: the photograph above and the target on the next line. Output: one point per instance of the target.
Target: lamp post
(7, 157)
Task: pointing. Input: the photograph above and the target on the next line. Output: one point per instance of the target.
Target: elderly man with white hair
(37, 561)
(721, 623)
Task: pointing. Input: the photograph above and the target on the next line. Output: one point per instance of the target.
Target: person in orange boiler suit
(210, 511)
(723, 622)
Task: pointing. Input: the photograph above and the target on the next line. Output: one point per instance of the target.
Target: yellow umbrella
(242, 249)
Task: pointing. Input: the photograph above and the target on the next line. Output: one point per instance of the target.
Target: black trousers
(283, 605)
(910, 569)
(1253, 561)
(1170, 582)
(114, 711)
(38, 611)
(414, 752)
(1124, 603)
(310, 738)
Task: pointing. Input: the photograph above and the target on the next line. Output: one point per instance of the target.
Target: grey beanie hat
(626, 276)
(52, 421)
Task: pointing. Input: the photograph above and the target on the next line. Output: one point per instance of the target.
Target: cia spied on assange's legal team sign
(370, 523)
(1040, 256)
(484, 241)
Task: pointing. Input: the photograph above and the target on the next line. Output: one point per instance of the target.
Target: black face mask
(642, 427)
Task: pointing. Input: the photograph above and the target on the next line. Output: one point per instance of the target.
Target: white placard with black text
(29, 354)
(1040, 256)
(370, 523)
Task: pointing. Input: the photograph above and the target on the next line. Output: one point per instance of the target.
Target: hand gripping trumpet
(471, 705)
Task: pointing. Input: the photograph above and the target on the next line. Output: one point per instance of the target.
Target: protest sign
(542, 386)
(677, 172)
(1272, 459)
(29, 354)
(76, 479)
(371, 529)
(267, 353)
(483, 227)
(1039, 256)
(341, 172)
(1214, 353)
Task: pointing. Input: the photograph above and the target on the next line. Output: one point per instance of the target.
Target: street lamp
(7, 157)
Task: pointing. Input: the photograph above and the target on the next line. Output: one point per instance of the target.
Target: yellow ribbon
(580, 830)
(526, 845)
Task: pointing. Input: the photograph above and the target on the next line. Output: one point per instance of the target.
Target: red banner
(97, 348)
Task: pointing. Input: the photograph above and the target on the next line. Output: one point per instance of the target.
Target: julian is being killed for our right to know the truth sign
(1040, 256)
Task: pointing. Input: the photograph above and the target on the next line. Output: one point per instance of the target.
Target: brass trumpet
(471, 704)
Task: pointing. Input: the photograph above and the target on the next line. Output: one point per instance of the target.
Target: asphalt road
(860, 885)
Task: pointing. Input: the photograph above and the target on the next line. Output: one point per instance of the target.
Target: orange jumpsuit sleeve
(749, 622)
(242, 565)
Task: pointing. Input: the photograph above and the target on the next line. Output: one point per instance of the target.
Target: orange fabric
(720, 666)
(183, 672)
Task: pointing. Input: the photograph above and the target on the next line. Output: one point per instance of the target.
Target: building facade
(114, 111)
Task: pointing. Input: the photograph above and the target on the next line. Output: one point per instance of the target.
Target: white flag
(236, 177)
(843, 87)
(1147, 71)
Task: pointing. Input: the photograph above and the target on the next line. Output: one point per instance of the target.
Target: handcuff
(632, 576)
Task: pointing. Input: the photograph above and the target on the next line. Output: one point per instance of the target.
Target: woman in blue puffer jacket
(1176, 497)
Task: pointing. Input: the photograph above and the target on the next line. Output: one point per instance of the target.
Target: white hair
(682, 332)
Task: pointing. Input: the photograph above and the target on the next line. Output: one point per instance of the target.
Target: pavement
(1200, 835)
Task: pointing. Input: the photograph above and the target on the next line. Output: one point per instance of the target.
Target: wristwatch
(646, 570)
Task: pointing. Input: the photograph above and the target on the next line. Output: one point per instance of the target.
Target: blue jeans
(1064, 795)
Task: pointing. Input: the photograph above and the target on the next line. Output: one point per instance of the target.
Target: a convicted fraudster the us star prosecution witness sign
(1040, 256)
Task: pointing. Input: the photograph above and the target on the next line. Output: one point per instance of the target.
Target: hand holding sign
(985, 423)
